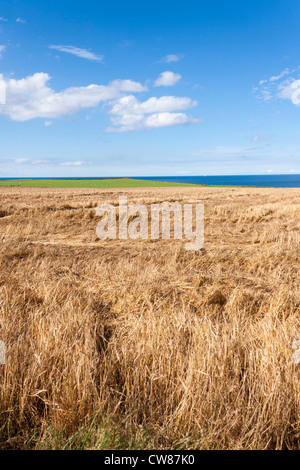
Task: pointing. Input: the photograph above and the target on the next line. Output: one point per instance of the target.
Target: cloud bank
(32, 97)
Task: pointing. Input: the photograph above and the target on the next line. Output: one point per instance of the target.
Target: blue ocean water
(269, 181)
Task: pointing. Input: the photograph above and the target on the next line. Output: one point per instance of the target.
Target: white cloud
(19, 161)
(76, 163)
(20, 20)
(167, 120)
(133, 122)
(30, 97)
(258, 138)
(279, 87)
(2, 49)
(128, 86)
(39, 162)
(275, 78)
(3, 19)
(131, 105)
(170, 58)
(281, 75)
(83, 53)
(131, 114)
(28, 161)
(290, 91)
(167, 79)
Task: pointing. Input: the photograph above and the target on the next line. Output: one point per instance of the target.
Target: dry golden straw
(142, 344)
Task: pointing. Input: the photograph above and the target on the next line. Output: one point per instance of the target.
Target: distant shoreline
(267, 181)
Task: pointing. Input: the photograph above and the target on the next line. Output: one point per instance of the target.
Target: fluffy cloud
(20, 20)
(3, 19)
(130, 114)
(131, 105)
(133, 122)
(167, 120)
(30, 97)
(83, 53)
(128, 86)
(280, 87)
(167, 79)
(2, 49)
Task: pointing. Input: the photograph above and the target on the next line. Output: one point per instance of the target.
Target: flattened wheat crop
(141, 344)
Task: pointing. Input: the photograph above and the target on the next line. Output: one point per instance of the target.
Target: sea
(269, 181)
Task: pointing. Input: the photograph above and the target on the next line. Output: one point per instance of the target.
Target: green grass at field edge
(91, 183)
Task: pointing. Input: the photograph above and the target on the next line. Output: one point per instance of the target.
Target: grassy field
(87, 183)
(142, 344)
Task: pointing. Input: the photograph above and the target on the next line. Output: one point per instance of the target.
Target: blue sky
(163, 88)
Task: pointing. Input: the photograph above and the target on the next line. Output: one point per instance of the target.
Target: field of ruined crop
(142, 344)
